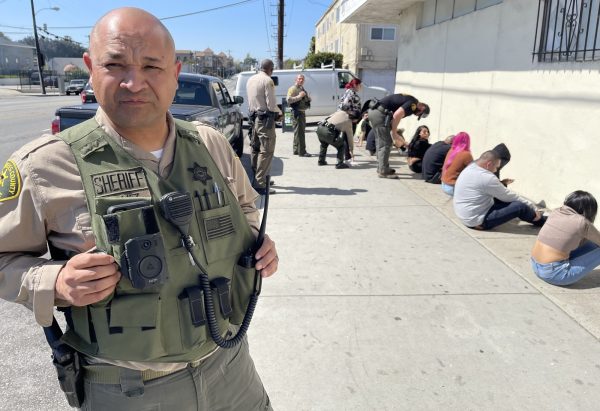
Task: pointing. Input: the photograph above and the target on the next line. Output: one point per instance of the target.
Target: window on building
(337, 46)
(383, 33)
(438, 11)
(443, 10)
(337, 15)
(567, 30)
(462, 7)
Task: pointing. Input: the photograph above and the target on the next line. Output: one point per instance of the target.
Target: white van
(324, 86)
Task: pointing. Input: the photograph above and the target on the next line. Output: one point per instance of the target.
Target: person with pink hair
(456, 160)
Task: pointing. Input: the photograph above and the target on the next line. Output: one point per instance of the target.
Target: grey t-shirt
(474, 194)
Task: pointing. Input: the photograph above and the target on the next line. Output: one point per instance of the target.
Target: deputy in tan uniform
(261, 103)
(299, 101)
(134, 71)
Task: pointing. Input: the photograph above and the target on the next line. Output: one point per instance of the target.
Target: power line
(166, 18)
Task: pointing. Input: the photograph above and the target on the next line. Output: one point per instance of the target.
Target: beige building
(206, 62)
(369, 50)
(526, 73)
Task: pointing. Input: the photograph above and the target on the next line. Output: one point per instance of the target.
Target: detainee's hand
(267, 259)
(87, 278)
(507, 181)
(538, 215)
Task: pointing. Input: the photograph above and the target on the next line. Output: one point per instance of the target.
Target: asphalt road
(25, 117)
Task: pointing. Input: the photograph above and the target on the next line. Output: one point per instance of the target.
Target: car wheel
(238, 143)
(68, 93)
(77, 93)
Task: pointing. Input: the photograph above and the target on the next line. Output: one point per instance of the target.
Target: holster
(68, 366)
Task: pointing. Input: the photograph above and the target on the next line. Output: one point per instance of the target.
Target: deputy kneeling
(335, 131)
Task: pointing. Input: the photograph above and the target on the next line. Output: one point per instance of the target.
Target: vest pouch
(242, 286)
(129, 328)
(219, 234)
(192, 334)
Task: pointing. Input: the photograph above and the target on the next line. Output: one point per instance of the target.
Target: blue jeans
(448, 189)
(581, 261)
(502, 212)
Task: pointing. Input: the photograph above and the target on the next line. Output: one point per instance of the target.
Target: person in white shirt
(482, 202)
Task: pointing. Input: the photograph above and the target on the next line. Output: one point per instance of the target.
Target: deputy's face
(133, 71)
(300, 80)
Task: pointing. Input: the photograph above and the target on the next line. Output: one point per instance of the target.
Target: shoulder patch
(10, 181)
(413, 107)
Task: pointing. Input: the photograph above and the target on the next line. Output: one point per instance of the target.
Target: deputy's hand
(267, 259)
(302, 94)
(87, 278)
(538, 215)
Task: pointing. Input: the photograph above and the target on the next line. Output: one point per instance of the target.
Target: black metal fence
(567, 30)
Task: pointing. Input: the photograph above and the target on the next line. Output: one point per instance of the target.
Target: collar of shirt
(163, 166)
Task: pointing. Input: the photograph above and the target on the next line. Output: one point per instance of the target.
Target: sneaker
(390, 176)
(322, 163)
(342, 165)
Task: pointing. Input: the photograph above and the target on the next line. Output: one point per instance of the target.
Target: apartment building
(525, 73)
(369, 50)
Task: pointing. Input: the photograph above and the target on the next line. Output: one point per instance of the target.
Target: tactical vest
(160, 324)
(302, 104)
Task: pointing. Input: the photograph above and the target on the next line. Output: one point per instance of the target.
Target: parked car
(49, 80)
(198, 98)
(76, 86)
(87, 95)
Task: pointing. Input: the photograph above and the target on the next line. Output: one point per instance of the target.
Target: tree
(249, 61)
(311, 47)
(314, 60)
(290, 63)
(56, 48)
(5, 37)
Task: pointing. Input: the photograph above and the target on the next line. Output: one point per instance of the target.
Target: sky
(235, 27)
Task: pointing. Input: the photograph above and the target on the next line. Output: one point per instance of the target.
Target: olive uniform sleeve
(25, 276)
(293, 95)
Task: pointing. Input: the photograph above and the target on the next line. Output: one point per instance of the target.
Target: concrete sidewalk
(384, 301)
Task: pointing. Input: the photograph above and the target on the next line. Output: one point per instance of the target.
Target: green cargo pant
(266, 136)
(227, 380)
(299, 136)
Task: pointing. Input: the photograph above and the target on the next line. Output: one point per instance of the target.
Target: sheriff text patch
(119, 183)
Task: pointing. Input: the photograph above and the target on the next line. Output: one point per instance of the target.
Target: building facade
(369, 50)
(206, 62)
(525, 73)
(15, 56)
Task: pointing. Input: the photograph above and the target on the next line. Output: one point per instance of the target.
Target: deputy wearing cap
(99, 186)
(385, 116)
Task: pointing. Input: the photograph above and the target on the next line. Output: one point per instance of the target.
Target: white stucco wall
(477, 74)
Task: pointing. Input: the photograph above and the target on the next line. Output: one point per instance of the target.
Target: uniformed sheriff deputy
(299, 101)
(334, 131)
(263, 106)
(385, 115)
(96, 187)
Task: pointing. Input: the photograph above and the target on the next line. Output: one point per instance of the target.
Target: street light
(38, 53)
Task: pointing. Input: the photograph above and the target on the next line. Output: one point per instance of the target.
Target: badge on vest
(126, 183)
(10, 181)
(200, 173)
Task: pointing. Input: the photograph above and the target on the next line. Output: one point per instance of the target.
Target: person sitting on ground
(482, 202)
(456, 160)
(504, 155)
(433, 160)
(333, 131)
(568, 246)
(417, 148)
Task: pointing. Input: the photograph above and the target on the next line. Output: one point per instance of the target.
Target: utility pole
(279, 34)
(38, 53)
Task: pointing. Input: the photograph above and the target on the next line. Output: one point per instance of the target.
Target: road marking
(47, 129)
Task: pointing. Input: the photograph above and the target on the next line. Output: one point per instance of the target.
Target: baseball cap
(425, 112)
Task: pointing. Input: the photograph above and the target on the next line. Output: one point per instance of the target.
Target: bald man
(108, 198)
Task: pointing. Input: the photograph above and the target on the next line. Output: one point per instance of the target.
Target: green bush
(315, 60)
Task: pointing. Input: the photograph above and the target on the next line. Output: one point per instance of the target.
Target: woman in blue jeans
(568, 245)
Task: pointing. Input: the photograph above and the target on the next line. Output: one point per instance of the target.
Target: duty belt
(111, 374)
(384, 110)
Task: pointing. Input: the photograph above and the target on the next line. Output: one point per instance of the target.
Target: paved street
(383, 301)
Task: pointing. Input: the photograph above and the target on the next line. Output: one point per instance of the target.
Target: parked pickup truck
(199, 97)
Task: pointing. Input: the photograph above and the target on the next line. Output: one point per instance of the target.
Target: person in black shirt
(385, 115)
(433, 160)
(417, 148)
